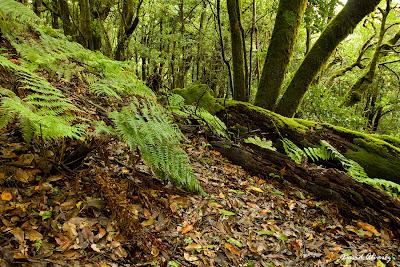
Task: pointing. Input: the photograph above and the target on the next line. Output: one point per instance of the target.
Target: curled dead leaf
(33, 235)
(367, 227)
(232, 249)
(186, 229)
(18, 234)
(6, 196)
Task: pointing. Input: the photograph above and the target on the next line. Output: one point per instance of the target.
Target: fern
(148, 131)
(327, 152)
(179, 108)
(44, 112)
(293, 151)
(263, 143)
(15, 11)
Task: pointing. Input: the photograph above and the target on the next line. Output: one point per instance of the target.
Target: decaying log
(354, 199)
(378, 155)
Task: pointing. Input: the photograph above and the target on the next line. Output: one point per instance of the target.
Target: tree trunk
(379, 155)
(239, 72)
(365, 81)
(337, 30)
(66, 17)
(86, 24)
(37, 7)
(287, 24)
(222, 46)
(128, 25)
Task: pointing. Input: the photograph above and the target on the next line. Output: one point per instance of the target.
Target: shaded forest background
(175, 44)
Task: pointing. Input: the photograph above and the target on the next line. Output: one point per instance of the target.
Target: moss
(279, 119)
(389, 139)
(377, 166)
(199, 95)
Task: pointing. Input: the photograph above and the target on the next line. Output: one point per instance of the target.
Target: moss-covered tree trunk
(336, 31)
(362, 85)
(287, 24)
(240, 91)
(86, 24)
(128, 24)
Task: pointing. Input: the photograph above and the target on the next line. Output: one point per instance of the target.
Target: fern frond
(293, 151)
(44, 112)
(13, 10)
(147, 131)
(178, 107)
(263, 143)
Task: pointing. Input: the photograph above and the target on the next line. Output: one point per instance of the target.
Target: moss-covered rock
(199, 95)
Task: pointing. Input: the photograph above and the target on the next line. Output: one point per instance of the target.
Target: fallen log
(378, 155)
(354, 199)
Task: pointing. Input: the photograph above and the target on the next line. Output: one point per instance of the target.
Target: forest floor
(62, 218)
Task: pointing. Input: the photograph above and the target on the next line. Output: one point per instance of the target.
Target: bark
(287, 24)
(354, 199)
(378, 155)
(86, 24)
(37, 7)
(66, 17)
(128, 25)
(238, 53)
(381, 158)
(222, 45)
(337, 30)
(253, 29)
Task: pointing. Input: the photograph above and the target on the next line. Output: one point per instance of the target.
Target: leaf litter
(115, 214)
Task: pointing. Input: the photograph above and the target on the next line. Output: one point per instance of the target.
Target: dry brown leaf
(190, 257)
(215, 153)
(55, 178)
(187, 228)
(6, 196)
(87, 234)
(120, 252)
(102, 232)
(232, 249)
(155, 251)
(95, 248)
(367, 227)
(193, 246)
(2, 175)
(18, 234)
(33, 235)
(26, 159)
(25, 175)
(255, 189)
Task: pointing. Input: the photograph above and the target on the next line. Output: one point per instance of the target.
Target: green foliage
(178, 107)
(44, 112)
(13, 10)
(293, 151)
(144, 125)
(199, 95)
(263, 143)
(327, 152)
(390, 187)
